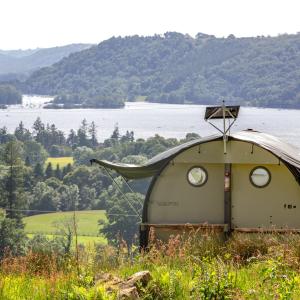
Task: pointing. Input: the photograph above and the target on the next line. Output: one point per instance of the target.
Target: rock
(103, 277)
(142, 277)
(110, 282)
(129, 293)
(126, 289)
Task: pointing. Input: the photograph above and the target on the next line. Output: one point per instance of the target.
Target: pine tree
(14, 188)
(93, 134)
(116, 133)
(66, 169)
(38, 172)
(58, 173)
(49, 170)
(82, 134)
(39, 131)
(21, 133)
(27, 161)
(72, 139)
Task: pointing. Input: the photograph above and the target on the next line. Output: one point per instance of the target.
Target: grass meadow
(50, 223)
(61, 161)
(247, 266)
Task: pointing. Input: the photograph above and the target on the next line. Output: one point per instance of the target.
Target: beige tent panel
(237, 152)
(174, 200)
(274, 206)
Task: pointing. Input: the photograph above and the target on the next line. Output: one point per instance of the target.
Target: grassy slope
(87, 224)
(245, 267)
(62, 161)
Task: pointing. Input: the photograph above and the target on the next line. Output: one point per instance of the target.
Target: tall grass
(192, 266)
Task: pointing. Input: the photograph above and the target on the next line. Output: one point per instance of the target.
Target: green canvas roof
(285, 152)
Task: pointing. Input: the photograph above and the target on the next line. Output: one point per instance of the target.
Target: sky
(28, 24)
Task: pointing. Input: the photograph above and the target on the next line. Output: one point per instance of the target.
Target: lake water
(147, 119)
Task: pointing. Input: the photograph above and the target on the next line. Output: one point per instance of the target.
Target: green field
(61, 161)
(49, 224)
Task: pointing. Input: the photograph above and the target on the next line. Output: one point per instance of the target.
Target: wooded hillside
(13, 62)
(176, 68)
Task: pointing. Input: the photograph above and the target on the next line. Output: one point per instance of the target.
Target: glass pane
(197, 176)
(260, 177)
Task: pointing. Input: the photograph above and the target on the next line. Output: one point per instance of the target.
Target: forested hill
(24, 61)
(176, 68)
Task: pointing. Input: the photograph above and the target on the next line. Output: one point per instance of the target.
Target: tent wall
(172, 200)
(237, 152)
(276, 205)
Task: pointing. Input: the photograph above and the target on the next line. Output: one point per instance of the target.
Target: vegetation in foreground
(244, 267)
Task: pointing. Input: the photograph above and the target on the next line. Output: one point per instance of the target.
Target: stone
(139, 278)
(129, 293)
(110, 282)
(126, 289)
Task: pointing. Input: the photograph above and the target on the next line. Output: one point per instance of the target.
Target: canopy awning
(285, 152)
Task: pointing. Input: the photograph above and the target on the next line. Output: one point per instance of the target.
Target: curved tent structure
(285, 152)
(253, 187)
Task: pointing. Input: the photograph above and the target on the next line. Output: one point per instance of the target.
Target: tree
(82, 133)
(72, 139)
(57, 172)
(35, 153)
(14, 198)
(93, 134)
(127, 138)
(87, 198)
(83, 155)
(12, 238)
(122, 214)
(134, 159)
(39, 131)
(123, 221)
(66, 169)
(44, 197)
(116, 133)
(5, 136)
(69, 198)
(38, 172)
(38, 126)
(9, 95)
(21, 133)
(49, 170)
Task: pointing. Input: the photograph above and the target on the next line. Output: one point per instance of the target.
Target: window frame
(260, 186)
(198, 167)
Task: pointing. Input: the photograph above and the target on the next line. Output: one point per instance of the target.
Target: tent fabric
(285, 152)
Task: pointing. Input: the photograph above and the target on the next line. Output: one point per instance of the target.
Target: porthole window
(197, 176)
(260, 177)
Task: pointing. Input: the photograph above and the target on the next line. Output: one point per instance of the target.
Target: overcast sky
(46, 23)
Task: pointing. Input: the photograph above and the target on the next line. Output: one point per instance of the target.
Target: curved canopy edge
(285, 152)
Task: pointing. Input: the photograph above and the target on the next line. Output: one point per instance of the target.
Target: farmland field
(61, 161)
(49, 224)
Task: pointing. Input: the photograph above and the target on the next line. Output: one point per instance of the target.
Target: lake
(147, 119)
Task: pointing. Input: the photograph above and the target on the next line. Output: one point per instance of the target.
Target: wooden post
(227, 196)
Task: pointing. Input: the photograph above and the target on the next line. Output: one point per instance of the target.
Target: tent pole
(227, 197)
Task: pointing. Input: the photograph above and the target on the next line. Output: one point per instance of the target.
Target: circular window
(260, 177)
(197, 176)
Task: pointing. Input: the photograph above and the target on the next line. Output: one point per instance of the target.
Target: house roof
(285, 152)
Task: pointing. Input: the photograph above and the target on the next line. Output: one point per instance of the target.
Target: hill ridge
(177, 68)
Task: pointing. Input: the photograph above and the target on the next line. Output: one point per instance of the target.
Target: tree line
(177, 68)
(9, 95)
(30, 186)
